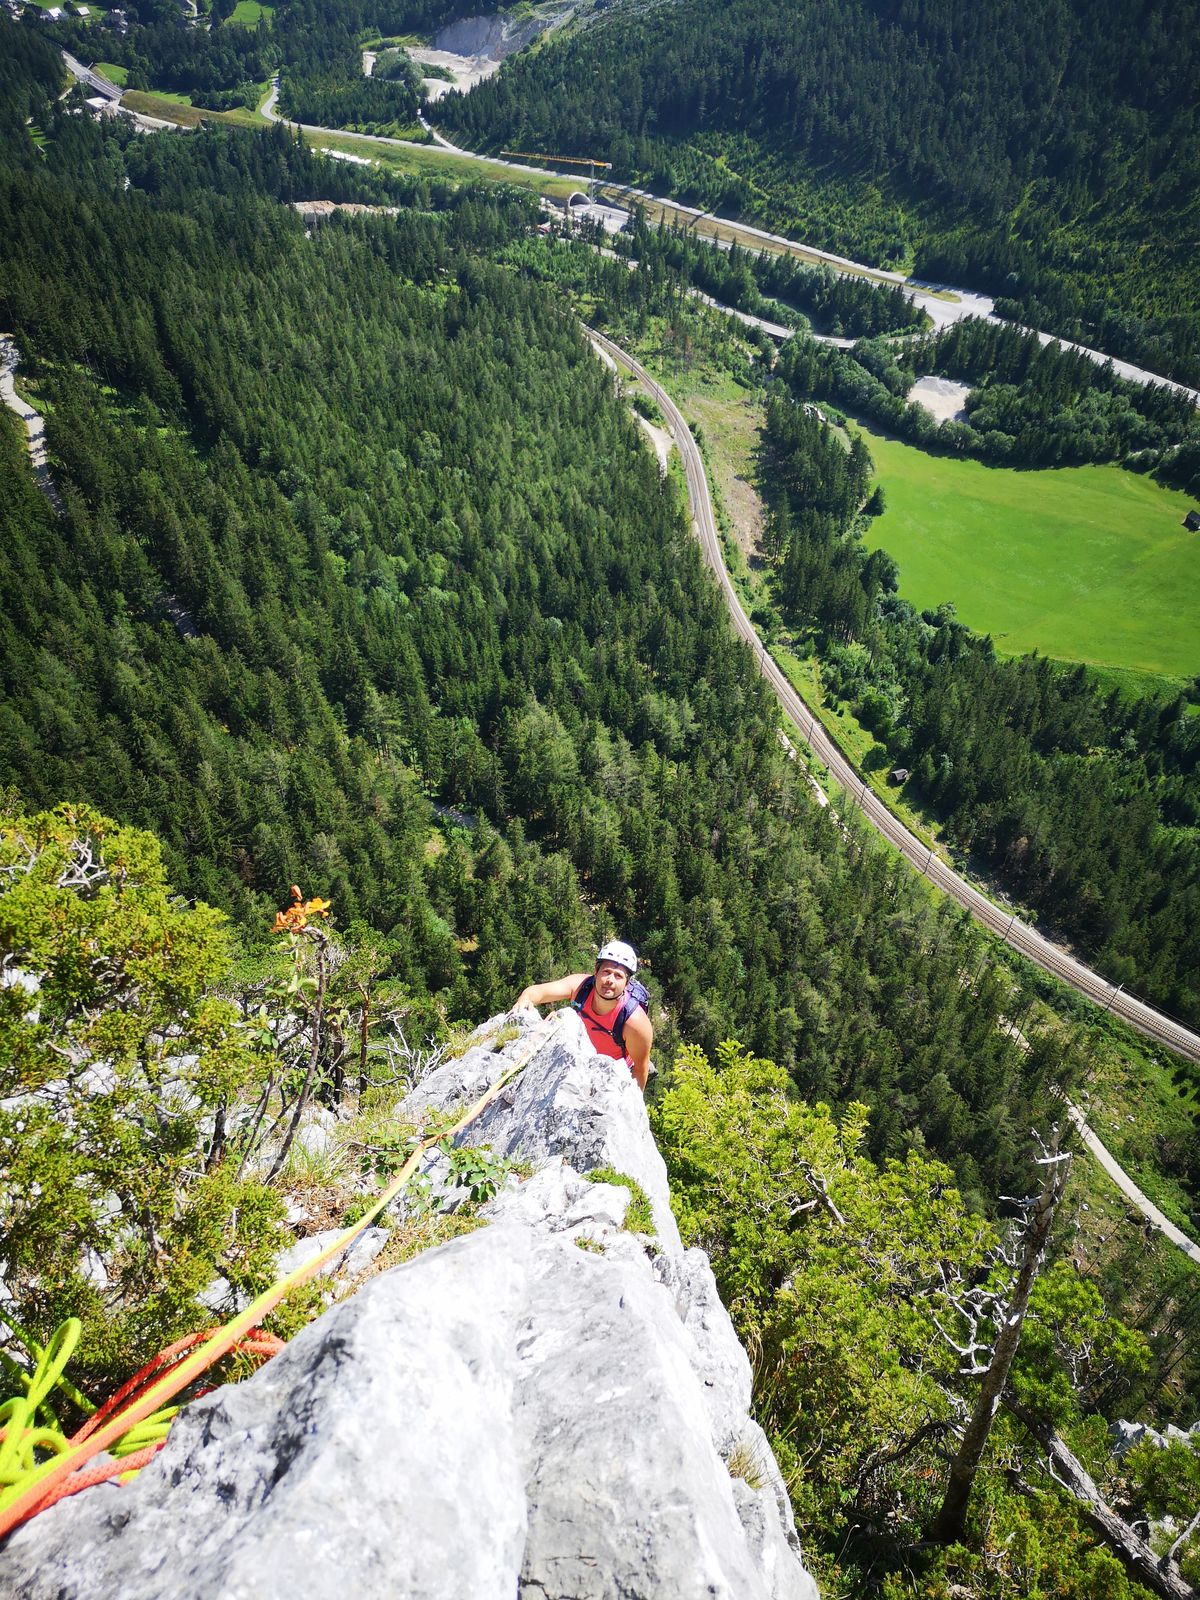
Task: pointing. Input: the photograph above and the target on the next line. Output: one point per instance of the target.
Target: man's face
(611, 979)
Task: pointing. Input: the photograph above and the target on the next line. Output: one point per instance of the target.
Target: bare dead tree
(1007, 1319)
(1158, 1573)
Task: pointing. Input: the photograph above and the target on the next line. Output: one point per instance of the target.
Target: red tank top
(599, 1029)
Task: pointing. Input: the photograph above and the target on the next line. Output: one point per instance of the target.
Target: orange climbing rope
(256, 1342)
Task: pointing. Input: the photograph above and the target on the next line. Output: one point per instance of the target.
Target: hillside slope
(354, 523)
(1047, 153)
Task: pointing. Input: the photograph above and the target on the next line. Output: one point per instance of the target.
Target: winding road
(930, 296)
(1006, 925)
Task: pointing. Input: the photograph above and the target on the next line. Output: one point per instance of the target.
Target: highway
(93, 80)
(1005, 924)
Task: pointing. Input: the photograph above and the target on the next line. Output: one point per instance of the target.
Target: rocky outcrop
(33, 422)
(1125, 1435)
(550, 1408)
(492, 37)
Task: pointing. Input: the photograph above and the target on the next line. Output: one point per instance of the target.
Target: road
(112, 92)
(268, 111)
(94, 81)
(1130, 1189)
(942, 311)
(1005, 924)
(776, 330)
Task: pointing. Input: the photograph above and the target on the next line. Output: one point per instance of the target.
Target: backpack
(636, 994)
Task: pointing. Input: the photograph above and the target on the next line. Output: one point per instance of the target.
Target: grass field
(247, 13)
(179, 109)
(437, 163)
(425, 159)
(1084, 564)
(114, 74)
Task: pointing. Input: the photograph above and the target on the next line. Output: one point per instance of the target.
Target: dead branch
(1009, 1320)
(875, 1460)
(1157, 1573)
(1192, 1527)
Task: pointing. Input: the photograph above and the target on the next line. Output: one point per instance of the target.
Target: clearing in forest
(1087, 564)
(249, 13)
(729, 418)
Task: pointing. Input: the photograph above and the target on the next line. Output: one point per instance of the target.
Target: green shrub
(639, 1218)
(118, 1057)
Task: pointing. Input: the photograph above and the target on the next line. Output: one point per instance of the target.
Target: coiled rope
(133, 1424)
(21, 1439)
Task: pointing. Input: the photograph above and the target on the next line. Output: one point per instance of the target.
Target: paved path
(1130, 1189)
(35, 425)
(1024, 938)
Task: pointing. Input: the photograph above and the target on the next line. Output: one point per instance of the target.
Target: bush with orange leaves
(300, 913)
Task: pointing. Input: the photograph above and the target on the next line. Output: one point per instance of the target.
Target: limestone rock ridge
(508, 1416)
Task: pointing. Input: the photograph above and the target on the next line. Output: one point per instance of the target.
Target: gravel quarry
(467, 70)
(473, 47)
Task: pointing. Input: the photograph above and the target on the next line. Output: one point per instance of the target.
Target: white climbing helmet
(623, 954)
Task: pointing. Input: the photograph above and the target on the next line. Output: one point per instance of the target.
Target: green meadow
(1088, 564)
(248, 13)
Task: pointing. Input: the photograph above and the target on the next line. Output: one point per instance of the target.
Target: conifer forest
(350, 580)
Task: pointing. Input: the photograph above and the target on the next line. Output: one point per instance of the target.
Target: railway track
(1006, 925)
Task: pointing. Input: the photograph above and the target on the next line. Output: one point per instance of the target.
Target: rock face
(507, 1417)
(1125, 1435)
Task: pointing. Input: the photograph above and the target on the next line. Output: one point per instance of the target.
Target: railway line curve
(1005, 924)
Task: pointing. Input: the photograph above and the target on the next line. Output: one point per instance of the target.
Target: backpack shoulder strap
(581, 994)
(636, 994)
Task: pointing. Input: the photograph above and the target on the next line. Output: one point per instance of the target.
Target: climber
(611, 1005)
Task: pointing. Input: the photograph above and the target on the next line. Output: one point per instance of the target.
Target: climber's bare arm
(545, 994)
(639, 1038)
